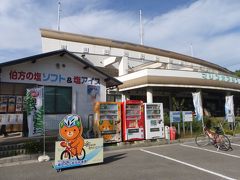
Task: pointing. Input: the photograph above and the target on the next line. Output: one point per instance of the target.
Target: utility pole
(191, 48)
(59, 14)
(141, 27)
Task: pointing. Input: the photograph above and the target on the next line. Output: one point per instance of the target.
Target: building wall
(135, 58)
(55, 71)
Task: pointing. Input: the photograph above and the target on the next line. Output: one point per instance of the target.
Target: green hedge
(210, 122)
(33, 147)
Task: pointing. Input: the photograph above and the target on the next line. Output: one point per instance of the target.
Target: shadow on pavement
(113, 158)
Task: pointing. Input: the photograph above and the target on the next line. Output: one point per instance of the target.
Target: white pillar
(123, 66)
(125, 97)
(149, 95)
(74, 100)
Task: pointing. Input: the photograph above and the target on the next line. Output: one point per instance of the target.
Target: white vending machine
(154, 123)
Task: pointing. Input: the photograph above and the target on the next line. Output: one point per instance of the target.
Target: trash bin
(167, 134)
(172, 133)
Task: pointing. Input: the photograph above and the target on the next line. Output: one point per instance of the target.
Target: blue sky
(210, 29)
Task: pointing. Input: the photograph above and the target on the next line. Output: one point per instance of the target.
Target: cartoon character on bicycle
(70, 129)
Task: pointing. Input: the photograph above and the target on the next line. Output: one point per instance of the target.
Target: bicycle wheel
(65, 155)
(224, 143)
(202, 140)
(82, 156)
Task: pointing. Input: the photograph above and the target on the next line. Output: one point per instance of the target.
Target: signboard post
(187, 117)
(175, 117)
(75, 151)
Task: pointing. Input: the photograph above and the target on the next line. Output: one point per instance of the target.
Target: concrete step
(22, 158)
(25, 146)
(12, 150)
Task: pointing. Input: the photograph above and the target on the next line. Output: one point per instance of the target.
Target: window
(58, 100)
(114, 98)
(14, 88)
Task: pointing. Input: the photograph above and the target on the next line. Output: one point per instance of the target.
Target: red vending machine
(132, 120)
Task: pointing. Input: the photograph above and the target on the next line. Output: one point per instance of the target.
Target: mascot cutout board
(74, 150)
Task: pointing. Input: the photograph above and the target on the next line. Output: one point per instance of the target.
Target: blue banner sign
(175, 116)
(187, 116)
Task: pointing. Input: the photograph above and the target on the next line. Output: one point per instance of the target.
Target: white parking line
(190, 165)
(203, 149)
(235, 144)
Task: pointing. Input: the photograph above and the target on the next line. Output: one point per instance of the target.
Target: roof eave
(129, 46)
(110, 81)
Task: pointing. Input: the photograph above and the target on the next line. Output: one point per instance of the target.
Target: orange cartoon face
(70, 127)
(105, 125)
(70, 133)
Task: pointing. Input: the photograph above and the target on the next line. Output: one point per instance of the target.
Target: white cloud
(20, 20)
(207, 24)
(211, 26)
(20, 24)
(105, 23)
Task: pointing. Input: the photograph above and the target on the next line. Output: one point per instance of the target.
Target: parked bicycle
(236, 126)
(217, 138)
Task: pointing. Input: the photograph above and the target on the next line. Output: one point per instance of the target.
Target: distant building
(151, 74)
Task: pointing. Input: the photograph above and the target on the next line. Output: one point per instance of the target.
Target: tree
(177, 105)
(237, 73)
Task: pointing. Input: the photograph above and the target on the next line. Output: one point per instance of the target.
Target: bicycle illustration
(71, 129)
(217, 138)
(68, 154)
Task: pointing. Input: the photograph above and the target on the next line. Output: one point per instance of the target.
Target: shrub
(166, 119)
(33, 147)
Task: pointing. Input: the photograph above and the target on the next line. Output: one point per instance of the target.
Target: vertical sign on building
(229, 109)
(197, 102)
(35, 111)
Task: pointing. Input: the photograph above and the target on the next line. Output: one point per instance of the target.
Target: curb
(14, 160)
(22, 159)
(32, 158)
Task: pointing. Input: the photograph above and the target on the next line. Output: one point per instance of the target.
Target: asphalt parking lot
(181, 161)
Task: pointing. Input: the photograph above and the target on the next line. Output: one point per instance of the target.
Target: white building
(71, 85)
(78, 70)
(150, 74)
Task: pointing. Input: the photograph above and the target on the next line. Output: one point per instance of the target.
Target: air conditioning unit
(86, 50)
(106, 52)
